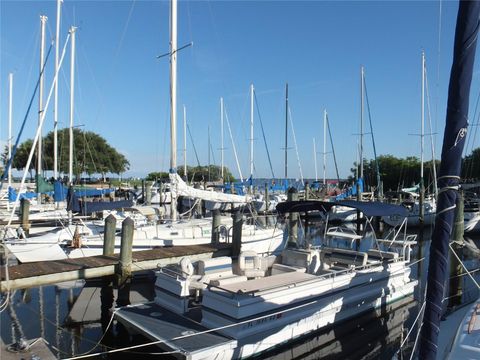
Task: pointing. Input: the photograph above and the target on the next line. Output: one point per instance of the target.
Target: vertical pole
(72, 92)
(293, 219)
(221, 134)
(148, 191)
(55, 110)
(324, 147)
(216, 226)
(185, 143)
(208, 151)
(267, 200)
(124, 268)
(10, 112)
(109, 235)
(43, 21)
(315, 158)
(361, 121)
(24, 213)
(286, 131)
(173, 103)
(251, 138)
(422, 186)
(237, 233)
(307, 190)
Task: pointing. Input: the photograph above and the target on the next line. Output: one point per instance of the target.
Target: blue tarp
(88, 207)
(61, 192)
(12, 195)
(351, 191)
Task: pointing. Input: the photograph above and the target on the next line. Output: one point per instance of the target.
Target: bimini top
(370, 208)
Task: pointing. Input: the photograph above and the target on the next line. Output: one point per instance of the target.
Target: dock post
(24, 214)
(160, 192)
(292, 195)
(216, 226)
(198, 209)
(124, 268)
(237, 233)
(456, 270)
(109, 235)
(267, 200)
(148, 193)
(307, 190)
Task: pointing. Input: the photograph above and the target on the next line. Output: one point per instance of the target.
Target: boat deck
(172, 331)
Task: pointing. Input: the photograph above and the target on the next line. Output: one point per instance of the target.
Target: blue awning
(371, 208)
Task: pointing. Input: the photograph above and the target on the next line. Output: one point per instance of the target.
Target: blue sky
(122, 90)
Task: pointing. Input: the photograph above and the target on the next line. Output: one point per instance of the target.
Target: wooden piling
(237, 217)
(267, 200)
(307, 190)
(160, 192)
(456, 270)
(109, 235)
(124, 268)
(292, 195)
(148, 193)
(216, 226)
(24, 214)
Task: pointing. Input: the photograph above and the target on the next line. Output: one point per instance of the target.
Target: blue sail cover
(449, 174)
(61, 191)
(83, 207)
(12, 195)
(351, 191)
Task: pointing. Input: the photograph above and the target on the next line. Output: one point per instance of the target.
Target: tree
(471, 165)
(91, 154)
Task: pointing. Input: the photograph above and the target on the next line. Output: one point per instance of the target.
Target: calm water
(69, 317)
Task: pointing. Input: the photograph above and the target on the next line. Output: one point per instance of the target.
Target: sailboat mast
(221, 134)
(185, 143)
(325, 147)
(10, 112)
(43, 21)
(72, 88)
(422, 117)
(173, 101)
(55, 101)
(286, 131)
(251, 136)
(315, 158)
(362, 89)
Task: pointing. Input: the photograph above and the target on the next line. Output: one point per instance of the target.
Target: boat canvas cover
(182, 189)
(371, 208)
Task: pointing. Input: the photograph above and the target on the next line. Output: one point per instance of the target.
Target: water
(54, 313)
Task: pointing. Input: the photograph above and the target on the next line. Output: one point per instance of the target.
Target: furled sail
(180, 188)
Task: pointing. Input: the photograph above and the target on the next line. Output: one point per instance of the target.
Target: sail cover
(180, 188)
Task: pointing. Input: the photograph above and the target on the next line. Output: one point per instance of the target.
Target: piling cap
(111, 219)
(128, 222)
(292, 190)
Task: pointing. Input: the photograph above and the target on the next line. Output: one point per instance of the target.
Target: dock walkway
(51, 272)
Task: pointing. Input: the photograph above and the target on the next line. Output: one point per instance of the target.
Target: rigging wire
(263, 134)
(333, 149)
(296, 147)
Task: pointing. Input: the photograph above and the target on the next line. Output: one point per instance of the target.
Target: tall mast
(362, 89)
(173, 100)
(185, 143)
(325, 147)
(251, 134)
(55, 103)
(208, 151)
(10, 112)
(286, 130)
(221, 134)
(43, 21)
(72, 92)
(422, 130)
(315, 159)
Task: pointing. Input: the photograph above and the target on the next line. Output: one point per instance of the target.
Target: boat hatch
(159, 324)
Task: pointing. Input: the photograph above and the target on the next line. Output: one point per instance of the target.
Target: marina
(195, 262)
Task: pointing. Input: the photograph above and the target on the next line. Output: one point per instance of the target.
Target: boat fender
(187, 266)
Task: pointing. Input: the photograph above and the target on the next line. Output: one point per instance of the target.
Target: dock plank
(49, 272)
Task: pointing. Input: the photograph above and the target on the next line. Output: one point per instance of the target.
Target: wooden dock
(50, 272)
